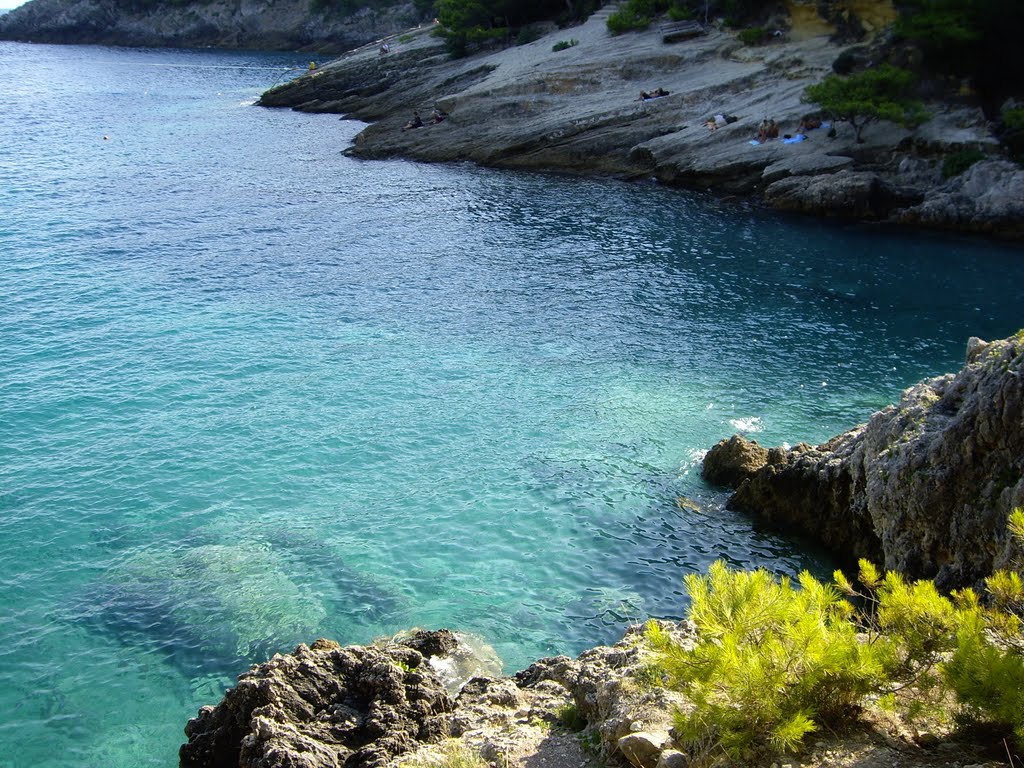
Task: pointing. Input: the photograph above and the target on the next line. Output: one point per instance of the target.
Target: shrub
(754, 36)
(570, 718)
(987, 668)
(771, 664)
(528, 34)
(626, 19)
(453, 755)
(960, 161)
(561, 45)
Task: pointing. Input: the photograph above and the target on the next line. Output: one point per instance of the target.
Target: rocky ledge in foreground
(924, 488)
(577, 109)
(324, 706)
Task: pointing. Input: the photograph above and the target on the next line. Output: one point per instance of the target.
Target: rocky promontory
(924, 488)
(569, 101)
(258, 24)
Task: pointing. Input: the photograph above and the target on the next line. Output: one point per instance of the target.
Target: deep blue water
(253, 392)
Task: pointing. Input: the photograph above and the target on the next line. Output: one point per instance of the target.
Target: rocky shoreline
(925, 488)
(257, 24)
(577, 110)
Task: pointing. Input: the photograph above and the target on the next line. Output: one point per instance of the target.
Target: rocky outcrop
(924, 488)
(576, 109)
(988, 197)
(325, 706)
(848, 194)
(263, 24)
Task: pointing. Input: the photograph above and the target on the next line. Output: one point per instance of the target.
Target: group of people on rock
(437, 116)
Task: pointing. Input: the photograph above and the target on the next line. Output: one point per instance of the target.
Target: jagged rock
(987, 197)
(281, 24)
(323, 707)
(846, 193)
(925, 487)
(732, 461)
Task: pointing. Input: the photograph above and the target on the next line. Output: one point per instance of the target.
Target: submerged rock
(924, 488)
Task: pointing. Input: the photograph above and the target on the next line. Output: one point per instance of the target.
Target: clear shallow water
(253, 392)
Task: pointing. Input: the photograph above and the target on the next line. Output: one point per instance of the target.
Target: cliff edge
(256, 24)
(570, 101)
(924, 488)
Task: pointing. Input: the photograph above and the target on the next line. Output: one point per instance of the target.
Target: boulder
(925, 487)
(988, 197)
(643, 749)
(846, 193)
(732, 461)
(324, 706)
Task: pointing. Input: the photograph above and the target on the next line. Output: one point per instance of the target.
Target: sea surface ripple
(253, 392)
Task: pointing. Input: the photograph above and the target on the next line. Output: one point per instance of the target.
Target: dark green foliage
(469, 24)
(635, 14)
(528, 34)
(977, 39)
(562, 45)
(880, 93)
(754, 36)
(1011, 133)
(570, 718)
(960, 161)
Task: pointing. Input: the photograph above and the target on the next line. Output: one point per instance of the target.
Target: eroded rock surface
(577, 110)
(924, 488)
(324, 706)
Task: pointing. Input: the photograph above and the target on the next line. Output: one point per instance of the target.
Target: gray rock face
(325, 706)
(924, 488)
(988, 197)
(850, 194)
(264, 24)
(578, 110)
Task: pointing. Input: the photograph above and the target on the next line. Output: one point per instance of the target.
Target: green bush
(960, 161)
(625, 20)
(528, 34)
(561, 45)
(754, 36)
(987, 668)
(774, 663)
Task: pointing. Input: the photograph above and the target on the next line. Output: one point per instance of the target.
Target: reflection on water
(255, 392)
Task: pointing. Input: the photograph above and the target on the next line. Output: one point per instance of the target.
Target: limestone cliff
(924, 488)
(258, 24)
(576, 108)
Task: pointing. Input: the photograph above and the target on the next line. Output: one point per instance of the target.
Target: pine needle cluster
(777, 660)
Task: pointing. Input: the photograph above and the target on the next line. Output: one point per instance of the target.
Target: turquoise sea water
(253, 392)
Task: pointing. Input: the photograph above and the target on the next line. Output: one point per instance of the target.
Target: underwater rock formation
(924, 488)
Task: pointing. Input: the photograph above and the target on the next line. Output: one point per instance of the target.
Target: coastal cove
(256, 391)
